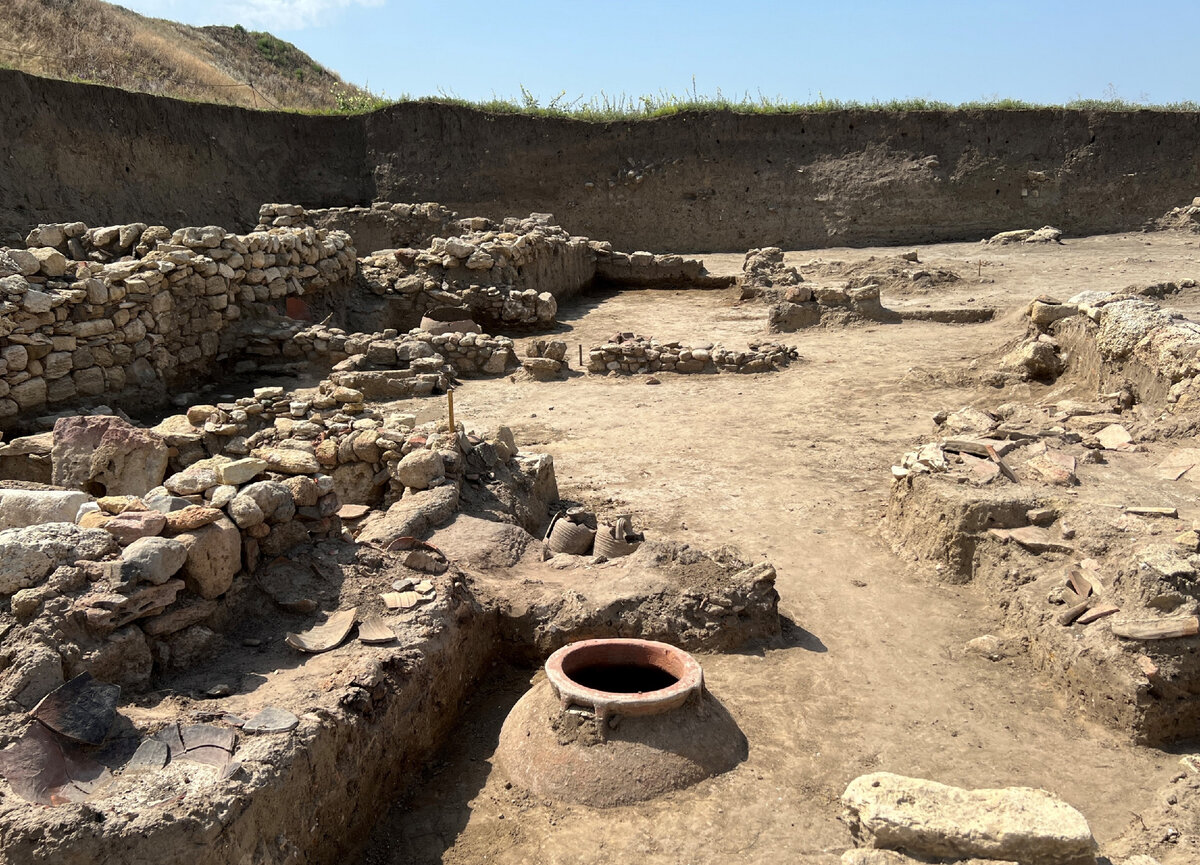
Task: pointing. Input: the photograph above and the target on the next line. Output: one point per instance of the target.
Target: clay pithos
(448, 319)
(569, 537)
(617, 540)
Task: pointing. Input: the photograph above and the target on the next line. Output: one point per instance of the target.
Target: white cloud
(255, 14)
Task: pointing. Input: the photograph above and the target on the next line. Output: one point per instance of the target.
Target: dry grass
(89, 40)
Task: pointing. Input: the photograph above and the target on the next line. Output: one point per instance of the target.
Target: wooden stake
(581, 355)
(450, 407)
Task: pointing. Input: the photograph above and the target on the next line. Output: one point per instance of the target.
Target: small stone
(1114, 437)
(245, 512)
(419, 469)
(347, 395)
(191, 482)
(120, 504)
(241, 471)
(289, 461)
(214, 556)
(132, 525)
(152, 560)
(191, 517)
(353, 512)
(222, 495)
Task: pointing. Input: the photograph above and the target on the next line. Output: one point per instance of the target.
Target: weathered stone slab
(928, 819)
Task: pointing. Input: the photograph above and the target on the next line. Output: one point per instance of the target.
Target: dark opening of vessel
(623, 678)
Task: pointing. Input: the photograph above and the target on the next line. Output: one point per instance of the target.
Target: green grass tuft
(608, 108)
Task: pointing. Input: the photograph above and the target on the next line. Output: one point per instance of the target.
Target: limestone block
(928, 819)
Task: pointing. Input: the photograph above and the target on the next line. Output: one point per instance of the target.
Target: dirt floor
(871, 673)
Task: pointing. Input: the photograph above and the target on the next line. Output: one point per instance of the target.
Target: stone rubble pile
(1100, 584)
(1186, 218)
(511, 275)
(629, 353)
(764, 275)
(73, 327)
(545, 359)
(795, 304)
(383, 225)
(137, 576)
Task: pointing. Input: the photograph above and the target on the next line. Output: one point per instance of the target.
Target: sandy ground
(871, 673)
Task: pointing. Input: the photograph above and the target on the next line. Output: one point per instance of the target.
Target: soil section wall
(104, 156)
(692, 181)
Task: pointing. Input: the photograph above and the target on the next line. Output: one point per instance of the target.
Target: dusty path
(793, 466)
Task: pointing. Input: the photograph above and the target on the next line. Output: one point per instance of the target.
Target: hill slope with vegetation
(89, 40)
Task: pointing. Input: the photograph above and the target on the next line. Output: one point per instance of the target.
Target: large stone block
(214, 556)
(936, 821)
(20, 508)
(107, 456)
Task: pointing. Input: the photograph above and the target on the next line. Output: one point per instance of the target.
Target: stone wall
(383, 225)
(137, 578)
(82, 326)
(629, 353)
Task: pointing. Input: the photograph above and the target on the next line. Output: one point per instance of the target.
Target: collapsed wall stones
(1105, 594)
(383, 225)
(136, 577)
(795, 305)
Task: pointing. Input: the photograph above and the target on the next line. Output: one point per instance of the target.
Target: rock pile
(513, 274)
(795, 304)
(1022, 497)
(630, 353)
(121, 584)
(383, 225)
(1186, 218)
(172, 305)
(545, 359)
(764, 275)
(508, 276)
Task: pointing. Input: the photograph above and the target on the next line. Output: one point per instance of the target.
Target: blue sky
(1044, 51)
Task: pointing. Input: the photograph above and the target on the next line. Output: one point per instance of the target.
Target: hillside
(90, 40)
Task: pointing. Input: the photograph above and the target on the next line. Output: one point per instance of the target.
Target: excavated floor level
(871, 672)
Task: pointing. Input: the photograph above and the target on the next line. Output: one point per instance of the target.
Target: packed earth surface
(292, 519)
(871, 671)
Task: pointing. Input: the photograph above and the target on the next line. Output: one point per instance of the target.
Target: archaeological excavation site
(435, 486)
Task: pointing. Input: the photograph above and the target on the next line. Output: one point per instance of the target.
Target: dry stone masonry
(630, 353)
(166, 311)
(381, 226)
